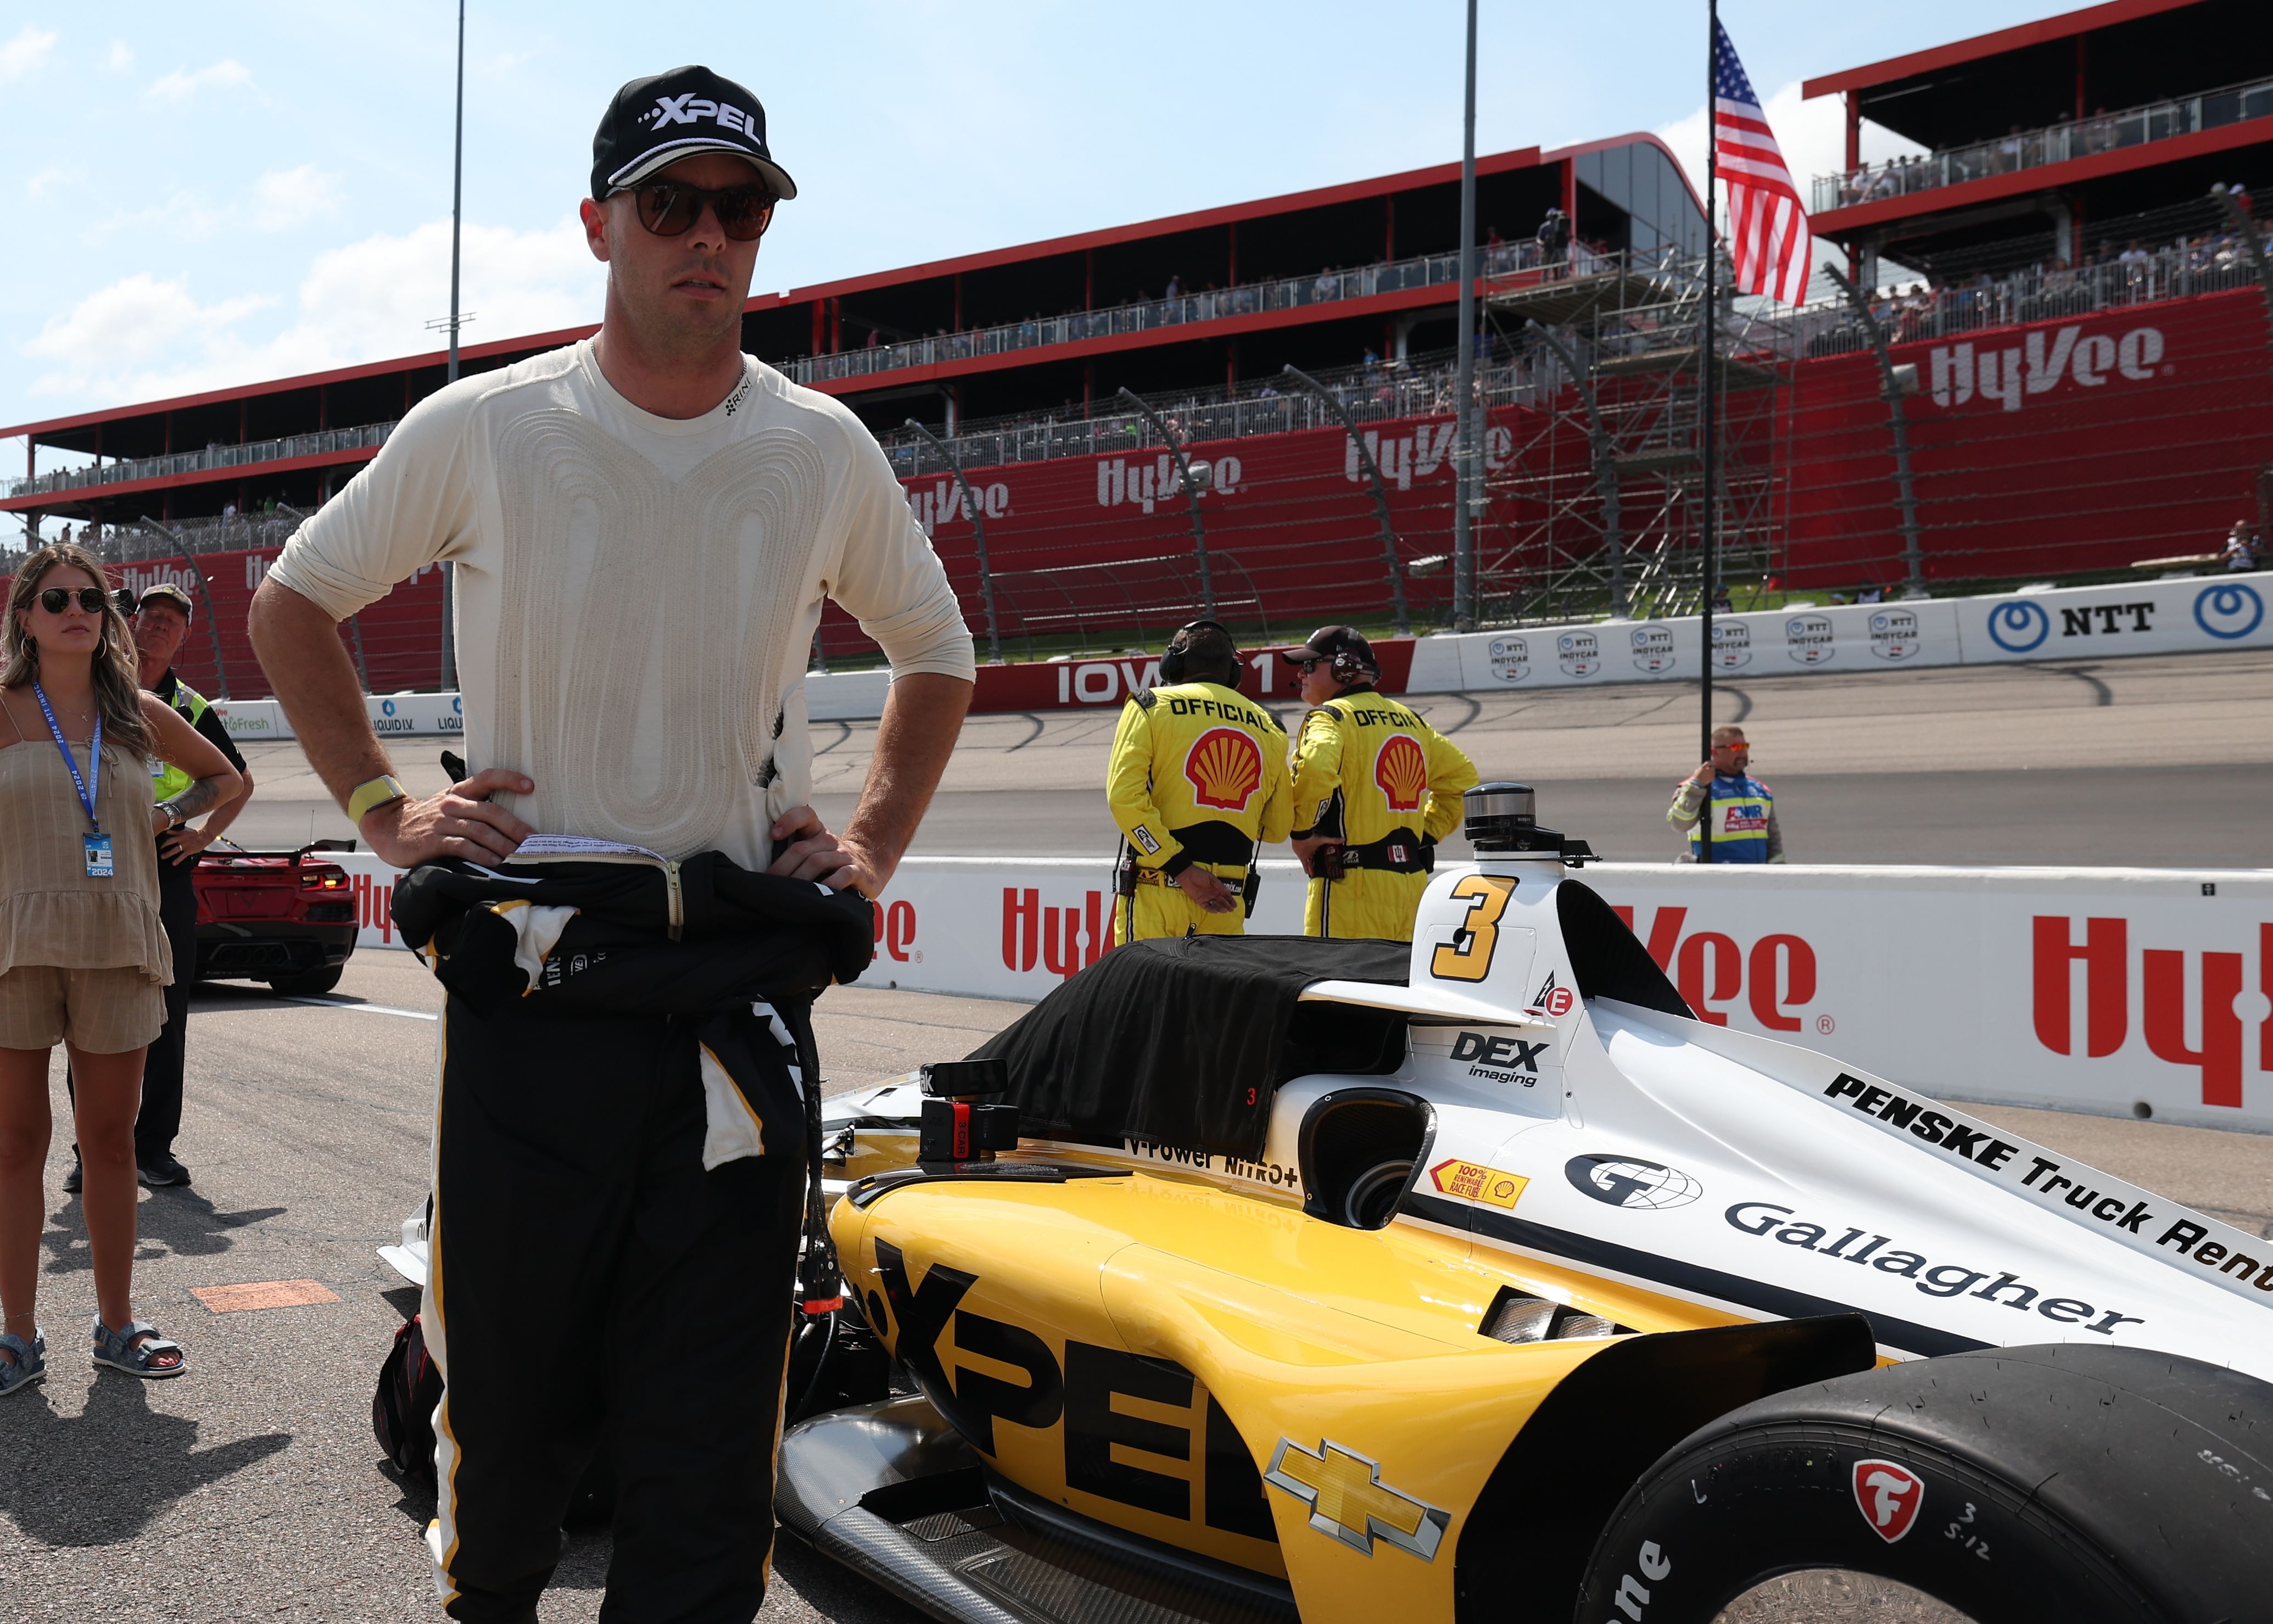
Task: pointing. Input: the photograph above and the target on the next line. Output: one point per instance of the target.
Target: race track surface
(2156, 761)
(251, 1488)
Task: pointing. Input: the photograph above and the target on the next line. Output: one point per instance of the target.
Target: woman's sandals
(27, 1364)
(119, 1350)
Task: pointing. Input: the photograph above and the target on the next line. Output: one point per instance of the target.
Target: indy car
(285, 918)
(1270, 1280)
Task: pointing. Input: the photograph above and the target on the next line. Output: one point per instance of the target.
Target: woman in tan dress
(83, 957)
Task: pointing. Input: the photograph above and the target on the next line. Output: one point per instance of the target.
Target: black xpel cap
(656, 121)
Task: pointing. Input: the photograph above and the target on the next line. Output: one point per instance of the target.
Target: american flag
(1767, 228)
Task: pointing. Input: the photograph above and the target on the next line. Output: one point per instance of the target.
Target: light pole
(457, 212)
(978, 512)
(1913, 550)
(1380, 491)
(1191, 490)
(1605, 466)
(212, 624)
(1705, 397)
(1464, 472)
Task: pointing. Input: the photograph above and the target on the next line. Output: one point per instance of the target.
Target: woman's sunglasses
(55, 600)
(669, 209)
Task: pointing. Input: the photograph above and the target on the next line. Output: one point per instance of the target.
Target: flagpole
(1705, 393)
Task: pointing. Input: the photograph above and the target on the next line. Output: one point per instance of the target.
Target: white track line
(368, 1008)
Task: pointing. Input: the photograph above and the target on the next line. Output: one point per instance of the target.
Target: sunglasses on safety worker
(55, 600)
(668, 208)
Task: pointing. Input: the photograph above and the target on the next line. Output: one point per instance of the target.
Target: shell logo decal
(1402, 772)
(1224, 767)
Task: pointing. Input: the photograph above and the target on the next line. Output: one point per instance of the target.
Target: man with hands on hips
(645, 525)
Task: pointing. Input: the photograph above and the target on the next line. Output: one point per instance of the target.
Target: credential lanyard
(88, 786)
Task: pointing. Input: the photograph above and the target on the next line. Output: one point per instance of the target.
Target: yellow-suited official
(1198, 777)
(1376, 787)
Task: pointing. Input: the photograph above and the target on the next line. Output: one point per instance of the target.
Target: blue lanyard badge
(101, 863)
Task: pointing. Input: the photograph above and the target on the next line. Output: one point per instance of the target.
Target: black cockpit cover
(1182, 1040)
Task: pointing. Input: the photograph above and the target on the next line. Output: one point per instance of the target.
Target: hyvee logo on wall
(1403, 458)
(1062, 940)
(1777, 972)
(2191, 1004)
(1143, 484)
(2009, 373)
(944, 500)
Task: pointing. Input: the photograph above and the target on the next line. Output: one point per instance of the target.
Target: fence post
(213, 623)
(1380, 491)
(1606, 467)
(2252, 244)
(1913, 552)
(1191, 490)
(979, 524)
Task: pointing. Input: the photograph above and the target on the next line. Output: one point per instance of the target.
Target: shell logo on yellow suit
(1225, 768)
(1401, 769)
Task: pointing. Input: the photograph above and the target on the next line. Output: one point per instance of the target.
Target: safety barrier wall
(2115, 991)
(2153, 617)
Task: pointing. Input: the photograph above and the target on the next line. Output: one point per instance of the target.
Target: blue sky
(219, 194)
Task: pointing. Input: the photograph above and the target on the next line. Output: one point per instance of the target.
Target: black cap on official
(656, 121)
(1328, 641)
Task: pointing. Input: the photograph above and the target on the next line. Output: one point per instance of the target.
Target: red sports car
(285, 918)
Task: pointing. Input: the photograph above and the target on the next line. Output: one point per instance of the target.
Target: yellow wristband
(369, 796)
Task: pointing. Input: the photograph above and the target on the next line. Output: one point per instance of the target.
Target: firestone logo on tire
(1890, 1496)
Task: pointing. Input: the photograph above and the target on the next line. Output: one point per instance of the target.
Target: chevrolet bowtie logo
(1348, 1501)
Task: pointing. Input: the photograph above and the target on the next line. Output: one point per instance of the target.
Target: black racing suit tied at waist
(1402, 852)
(570, 938)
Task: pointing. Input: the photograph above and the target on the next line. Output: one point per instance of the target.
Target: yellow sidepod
(1151, 1352)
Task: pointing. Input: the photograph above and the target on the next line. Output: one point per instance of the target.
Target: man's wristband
(369, 797)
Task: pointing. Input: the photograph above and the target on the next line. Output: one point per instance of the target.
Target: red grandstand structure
(1252, 406)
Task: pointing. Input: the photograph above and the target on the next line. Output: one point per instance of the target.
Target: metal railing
(2028, 149)
(127, 471)
(2040, 293)
(1287, 293)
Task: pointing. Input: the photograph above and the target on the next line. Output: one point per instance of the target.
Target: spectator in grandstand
(1196, 781)
(1376, 787)
(83, 960)
(1554, 237)
(1744, 827)
(162, 620)
(2242, 551)
(620, 1262)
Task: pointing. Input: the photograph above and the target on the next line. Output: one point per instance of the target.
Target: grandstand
(1260, 396)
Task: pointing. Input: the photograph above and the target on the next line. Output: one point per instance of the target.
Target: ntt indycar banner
(2161, 617)
(2116, 991)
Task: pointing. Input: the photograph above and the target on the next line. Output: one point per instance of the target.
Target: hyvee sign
(2094, 989)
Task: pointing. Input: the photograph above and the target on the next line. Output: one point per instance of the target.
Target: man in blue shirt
(1744, 829)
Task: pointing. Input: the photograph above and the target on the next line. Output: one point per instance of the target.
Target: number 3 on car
(1467, 956)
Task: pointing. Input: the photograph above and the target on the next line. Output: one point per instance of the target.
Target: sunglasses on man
(669, 208)
(55, 600)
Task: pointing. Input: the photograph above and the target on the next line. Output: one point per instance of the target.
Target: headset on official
(1173, 656)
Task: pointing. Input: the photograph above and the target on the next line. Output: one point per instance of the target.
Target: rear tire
(307, 983)
(2012, 1486)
